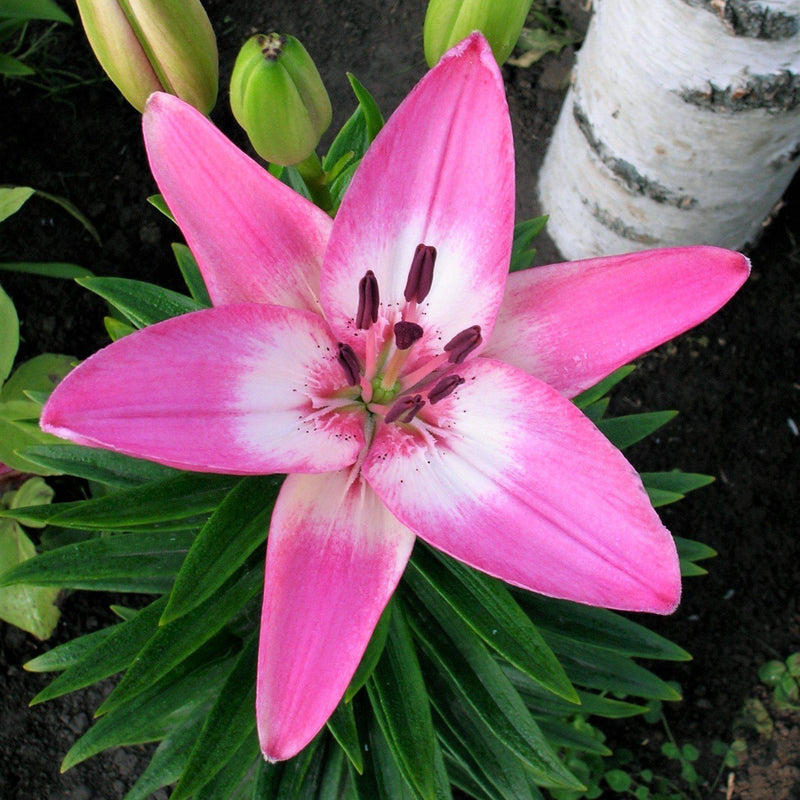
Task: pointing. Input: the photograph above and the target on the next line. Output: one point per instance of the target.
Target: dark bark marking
(776, 93)
(625, 172)
(751, 19)
(616, 225)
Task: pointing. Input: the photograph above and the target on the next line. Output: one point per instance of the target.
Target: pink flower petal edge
(440, 173)
(521, 485)
(255, 239)
(334, 557)
(226, 389)
(572, 324)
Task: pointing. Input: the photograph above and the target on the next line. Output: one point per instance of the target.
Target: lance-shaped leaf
(400, 702)
(601, 389)
(68, 654)
(178, 498)
(175, 641)
(9, 335)
(103, 466)
(235, 529)
(151, 716)
(124, 562)
(598, 627)
(371, 655)
(111, 655)
(227, 726)
(238, 771)
(191, 274)
(142, 303)
(463, 662)
(342, 725)
(490, 611)
(627, 430)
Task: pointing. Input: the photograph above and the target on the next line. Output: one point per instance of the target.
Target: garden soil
(734, 380)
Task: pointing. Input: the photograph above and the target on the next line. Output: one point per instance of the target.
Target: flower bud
(148, 46)
(278, 97)
(447, 22)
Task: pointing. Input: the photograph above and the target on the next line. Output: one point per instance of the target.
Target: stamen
(368, 301)
(349, 362)
(462, 344)
(406, 407)
(420, 276)
(445, 387)
(406, 333)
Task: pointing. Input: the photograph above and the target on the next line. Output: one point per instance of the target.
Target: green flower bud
(148, 46)
(447, 22)
(278, 97)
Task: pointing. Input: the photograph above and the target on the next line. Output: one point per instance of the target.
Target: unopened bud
(278, 97)
(148, 46)
(447, 22)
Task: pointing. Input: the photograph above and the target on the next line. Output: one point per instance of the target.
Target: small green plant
(623, 774)
(18, 40)
(783, 678)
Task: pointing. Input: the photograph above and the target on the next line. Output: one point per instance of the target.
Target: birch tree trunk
(682, 126)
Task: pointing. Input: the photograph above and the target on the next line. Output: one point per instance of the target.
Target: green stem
(315, 179)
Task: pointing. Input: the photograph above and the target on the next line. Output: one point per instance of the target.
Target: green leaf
(175, 641)
(9, 335)
(12, 198)
(627, 430)
(399, 700)
(151, 716)
(32, 9)
(142, 303)
(243, 764)
(301, 775)
(169, 759)
(238, 525)
(117, 329)
(68, 654)
(489, 609)
(689, 550)
(226, 727)
(522, 254)
(596, 409)
(41, 373)
(111, 655)
(560, 734)
(191, 274)
(462, 661)
(675, 481)
(342, 725)
(157, 201)
(47, 269)
(659, 497)
(618, 780)
(602, 388)
(13, 67)
(94, 464)
(124, 562)
(358, 132)
(372, 654)
(598, 627)
(601, 669)
(179, 498)
(31, 608)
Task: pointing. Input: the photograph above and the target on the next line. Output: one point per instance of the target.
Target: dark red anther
(368, 301)
(406, 333)
(445, 387)
(462, 344)
(405, 409)
(420, 276)
(349, 361)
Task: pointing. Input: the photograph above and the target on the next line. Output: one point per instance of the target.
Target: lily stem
(315, 179)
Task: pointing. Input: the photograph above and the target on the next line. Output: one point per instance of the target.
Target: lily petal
(440, 173)
(572, 324)
(334, 558)
(512, 479)
(255, 240)
(233, 389)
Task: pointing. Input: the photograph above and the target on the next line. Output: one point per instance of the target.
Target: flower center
(388, 387)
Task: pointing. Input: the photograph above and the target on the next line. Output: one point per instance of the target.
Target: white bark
(682, 126)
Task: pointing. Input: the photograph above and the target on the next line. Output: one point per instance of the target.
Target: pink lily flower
(408, 385)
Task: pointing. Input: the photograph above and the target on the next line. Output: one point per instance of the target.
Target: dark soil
(734, 380)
